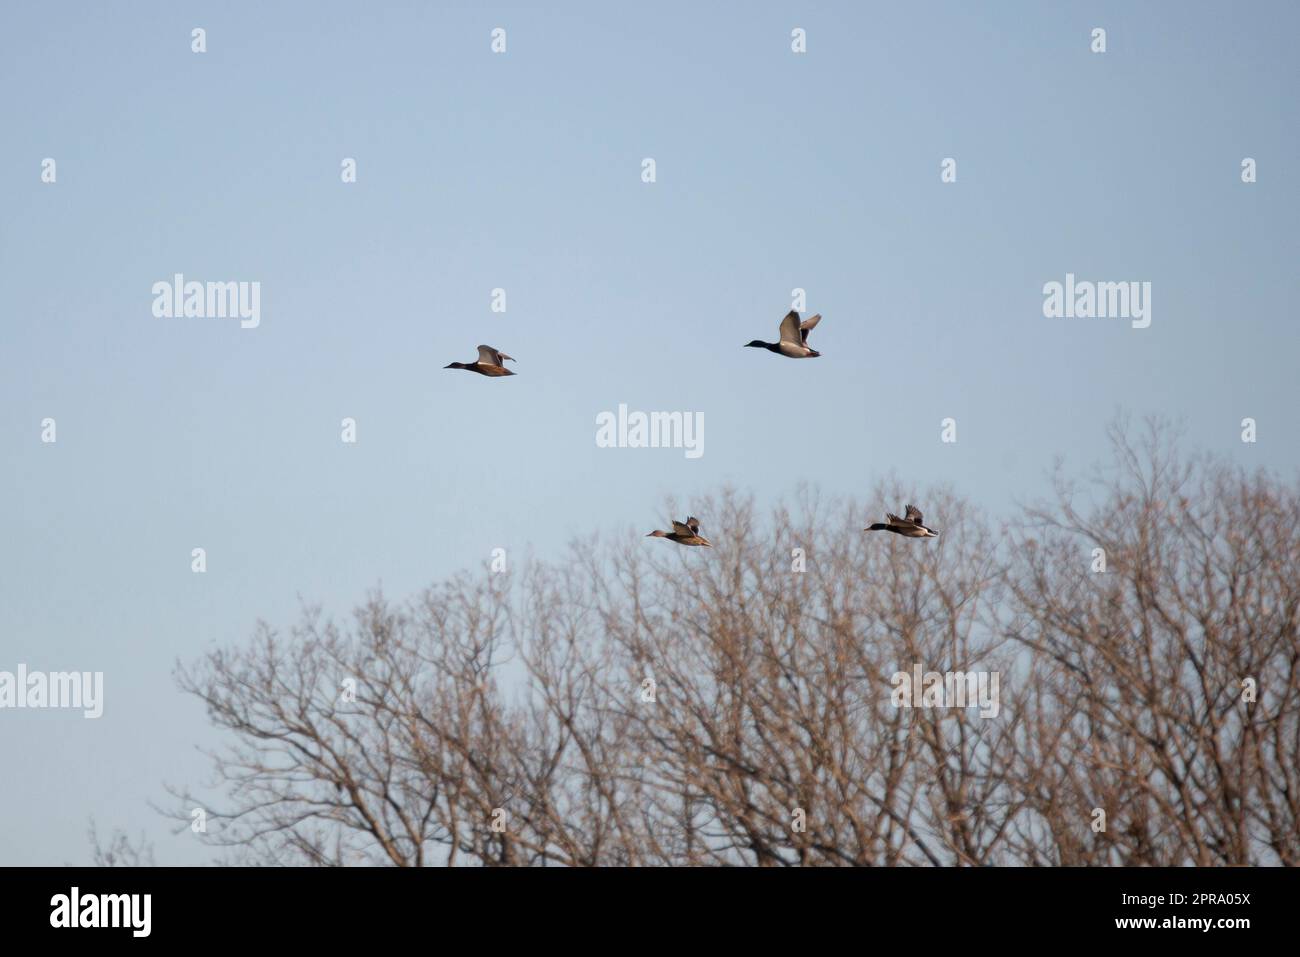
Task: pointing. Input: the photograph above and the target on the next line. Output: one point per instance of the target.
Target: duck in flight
(794, 338)
(909, 526)
(684, 533)
(490, 362)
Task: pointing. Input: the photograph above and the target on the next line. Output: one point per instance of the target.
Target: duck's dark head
(756, 344)
(456, 365)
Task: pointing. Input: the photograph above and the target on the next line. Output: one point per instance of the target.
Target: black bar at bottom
(363, 906)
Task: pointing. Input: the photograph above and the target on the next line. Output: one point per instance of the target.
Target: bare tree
(641, 703)
(119, 850)
(1165, 687)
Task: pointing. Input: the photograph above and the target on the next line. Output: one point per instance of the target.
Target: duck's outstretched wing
(694, 524)
(491, 356)
(808, 325)
(682, 529)
(913, 515)
(790, 329)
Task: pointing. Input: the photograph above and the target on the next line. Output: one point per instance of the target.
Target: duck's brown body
(793, 343)
(490, 362)
(909, 526)
(684, 533)
(482, 368)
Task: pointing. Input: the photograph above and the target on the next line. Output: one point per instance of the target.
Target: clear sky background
(523, 171)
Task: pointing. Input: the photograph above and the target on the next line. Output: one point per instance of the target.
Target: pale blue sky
(522, 171)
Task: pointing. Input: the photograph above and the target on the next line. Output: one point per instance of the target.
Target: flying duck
(794, 337)
(490, 362)
(684, 533)
(908, 526)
